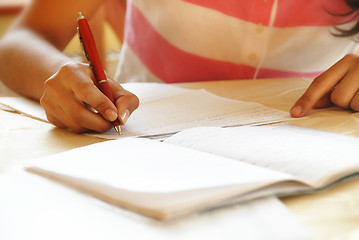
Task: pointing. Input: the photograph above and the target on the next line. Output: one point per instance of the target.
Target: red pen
(93, 58)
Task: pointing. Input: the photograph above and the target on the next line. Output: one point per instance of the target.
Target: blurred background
(107, 42)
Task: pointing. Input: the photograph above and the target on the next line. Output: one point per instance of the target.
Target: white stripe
(271, 23)
(201, 31)
(131, 69)
(306, 49)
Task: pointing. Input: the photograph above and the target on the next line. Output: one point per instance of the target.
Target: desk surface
(333, 212)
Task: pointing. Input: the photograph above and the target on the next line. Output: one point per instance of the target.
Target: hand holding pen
(93, 58)
(68, 93)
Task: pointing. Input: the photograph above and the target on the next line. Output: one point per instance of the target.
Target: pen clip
(83, 47)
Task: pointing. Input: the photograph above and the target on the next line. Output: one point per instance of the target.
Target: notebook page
(168, 109)
(24, 212)
(311, 155)
(192, 109)
(142, 165)
(144, 91)
(24, 106)
(198, 108)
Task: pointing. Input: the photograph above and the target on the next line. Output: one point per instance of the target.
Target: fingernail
(111, 115)
(125, 115)
(296, 111)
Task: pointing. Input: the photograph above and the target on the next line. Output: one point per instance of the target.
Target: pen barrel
(94, 60)
(105, 89)
(93, 57)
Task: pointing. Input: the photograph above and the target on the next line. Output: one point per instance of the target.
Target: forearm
(27, 61)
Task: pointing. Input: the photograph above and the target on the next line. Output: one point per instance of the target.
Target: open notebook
(205, 167)
(166, 109)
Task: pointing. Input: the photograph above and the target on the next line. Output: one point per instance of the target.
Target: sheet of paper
(167, 109)
(24, 106)
(144, 91)
(151, 91)
(143, 165)
(38, 207)
(312, 155)
(197, 108)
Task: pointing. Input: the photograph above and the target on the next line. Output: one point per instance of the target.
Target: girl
(183, 40)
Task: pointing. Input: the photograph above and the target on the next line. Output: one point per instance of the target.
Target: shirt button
(252, 57)
(259, 28)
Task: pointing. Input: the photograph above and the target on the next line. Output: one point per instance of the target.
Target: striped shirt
(201, 40)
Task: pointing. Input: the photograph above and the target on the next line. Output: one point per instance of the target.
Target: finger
(82, 117)
(354, 103)
(72, 113)
(79, 79)
(53, 120)
(90, 94)
(76, 129)
(58, 117)
(346, 89)
(126, 102)
(320, 86)
(324, 101)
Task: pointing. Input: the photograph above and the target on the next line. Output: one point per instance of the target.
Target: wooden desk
(330, 214)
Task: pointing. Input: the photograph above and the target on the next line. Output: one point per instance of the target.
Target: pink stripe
(310, 13)
(290, 13)
(172, 65)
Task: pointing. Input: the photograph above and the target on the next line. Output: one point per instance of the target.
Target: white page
(156, 179)
(37, 208)
(151, 91)
(309, 154)
(144, 91)
(142, 165)
(197, 108)
(174, 109)
(24, 106)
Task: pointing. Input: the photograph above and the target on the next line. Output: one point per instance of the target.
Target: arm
(338, 85)
(115, 11)
(33, 65)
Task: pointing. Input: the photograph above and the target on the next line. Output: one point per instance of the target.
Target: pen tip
(118, 129)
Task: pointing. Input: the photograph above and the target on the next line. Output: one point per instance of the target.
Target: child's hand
(69, 93)
(338, 85)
